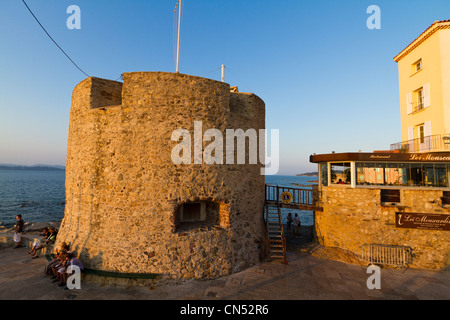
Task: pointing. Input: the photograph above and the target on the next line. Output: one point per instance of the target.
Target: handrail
(428, 143)
(299, 195)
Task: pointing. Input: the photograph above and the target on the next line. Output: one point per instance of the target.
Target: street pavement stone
(304, 277)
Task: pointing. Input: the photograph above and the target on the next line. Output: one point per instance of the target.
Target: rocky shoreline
(31, 228)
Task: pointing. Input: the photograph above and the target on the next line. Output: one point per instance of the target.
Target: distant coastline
(40, 167)
(308, 174)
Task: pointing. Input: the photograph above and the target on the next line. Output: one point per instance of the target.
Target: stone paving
(305, 277)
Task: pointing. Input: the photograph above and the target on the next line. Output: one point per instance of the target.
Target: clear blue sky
(329, 83)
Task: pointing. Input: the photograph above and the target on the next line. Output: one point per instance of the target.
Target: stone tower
(130, 209)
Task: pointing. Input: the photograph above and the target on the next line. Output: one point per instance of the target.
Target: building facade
(397, 202)
(424, 84)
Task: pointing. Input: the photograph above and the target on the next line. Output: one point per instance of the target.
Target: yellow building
(424, 79)
(366, 214)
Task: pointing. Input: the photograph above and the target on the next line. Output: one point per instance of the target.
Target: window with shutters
(421, 129)
(418, 100)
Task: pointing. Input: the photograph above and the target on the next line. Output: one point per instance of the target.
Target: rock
(336, 254)
(188, 275)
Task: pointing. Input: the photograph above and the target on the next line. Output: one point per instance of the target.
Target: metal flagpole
(223, 73)
(179, 27)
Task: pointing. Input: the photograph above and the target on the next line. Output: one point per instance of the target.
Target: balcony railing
(439, 142)
(417, 106)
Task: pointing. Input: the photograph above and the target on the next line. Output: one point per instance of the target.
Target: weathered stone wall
(355, 217)
(123, 191)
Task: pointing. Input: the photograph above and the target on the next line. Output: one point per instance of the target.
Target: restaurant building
(393, 207)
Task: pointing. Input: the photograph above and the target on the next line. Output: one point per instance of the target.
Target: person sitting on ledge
(49, 240)
(71, 261)
(39, 244)
(61, 261)
(65, 248)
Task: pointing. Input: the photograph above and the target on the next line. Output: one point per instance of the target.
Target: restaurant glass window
(392, 175)
(416, 178)
(340, 173)
(441, 175)
(435, 175)
(403, 170)
(429, 179)
(369, 173)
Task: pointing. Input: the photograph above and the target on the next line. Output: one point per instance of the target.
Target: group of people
(48, 239)
(58, 268)
(294, 224)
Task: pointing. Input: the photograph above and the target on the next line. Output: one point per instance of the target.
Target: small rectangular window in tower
(191, 212)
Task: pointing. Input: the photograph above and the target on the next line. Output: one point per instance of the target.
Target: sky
(328, 81)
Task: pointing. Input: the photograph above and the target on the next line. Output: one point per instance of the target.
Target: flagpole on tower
(179, 28)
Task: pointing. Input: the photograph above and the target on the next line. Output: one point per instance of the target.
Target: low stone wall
(355, 217)
(7, 241)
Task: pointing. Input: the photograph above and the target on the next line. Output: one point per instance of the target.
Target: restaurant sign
(425, 221)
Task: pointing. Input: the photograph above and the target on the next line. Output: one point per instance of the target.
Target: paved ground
(305, 277)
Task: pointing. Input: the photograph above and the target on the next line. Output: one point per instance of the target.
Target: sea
(39, 195)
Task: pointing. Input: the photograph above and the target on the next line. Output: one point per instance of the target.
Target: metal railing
(299, 195)
(399, 256)
(439, 142)
(417, 106)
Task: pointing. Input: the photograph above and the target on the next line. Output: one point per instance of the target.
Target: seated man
(61, 262)
(71, 261)
(39, 244)
(65, 248)
(49, 241)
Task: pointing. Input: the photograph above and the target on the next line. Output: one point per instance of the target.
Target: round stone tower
(130, 208)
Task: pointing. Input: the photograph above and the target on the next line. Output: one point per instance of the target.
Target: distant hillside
(41, 167)
(308, 174)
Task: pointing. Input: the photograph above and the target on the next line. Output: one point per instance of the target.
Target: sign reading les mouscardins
(425, 221)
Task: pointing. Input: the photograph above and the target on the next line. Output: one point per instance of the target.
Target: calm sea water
(38, 195)
(306, 217)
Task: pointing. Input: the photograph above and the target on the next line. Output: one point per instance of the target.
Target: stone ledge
(7, 241)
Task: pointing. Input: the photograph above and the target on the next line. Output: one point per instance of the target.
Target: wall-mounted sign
(286, 197)
(383, 157)
(426, 221)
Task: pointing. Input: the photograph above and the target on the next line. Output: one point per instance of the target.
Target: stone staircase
(275, 234)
